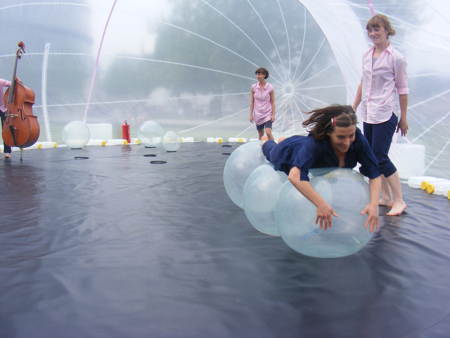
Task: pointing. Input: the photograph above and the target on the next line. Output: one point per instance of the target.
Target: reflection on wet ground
(112, 246)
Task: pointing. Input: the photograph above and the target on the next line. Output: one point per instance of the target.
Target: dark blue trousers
(380, 139)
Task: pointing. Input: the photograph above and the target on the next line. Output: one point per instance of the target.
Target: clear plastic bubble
(238, 168)
(260, 197)
(76, 134)
(347, 192)
(151, 134)
(171, 141)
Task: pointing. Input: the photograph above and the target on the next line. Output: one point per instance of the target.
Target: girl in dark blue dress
(333, 141)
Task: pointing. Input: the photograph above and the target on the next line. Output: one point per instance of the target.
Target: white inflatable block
(187, 139)
(96, 142)
(102, 131)
(214, 140)
(437, 186)
(37, 145)
(47, 145)
(416, 181)
(116, 142)
(136, 141)
(436, 180)
(442, 187)
(408, 158)
(237, 139)
(43, 145)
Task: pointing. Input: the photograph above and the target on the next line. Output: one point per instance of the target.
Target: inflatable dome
(189, 64)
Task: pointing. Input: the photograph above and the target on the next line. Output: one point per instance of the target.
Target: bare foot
(385, 203)
(7, 155)
(397, 209)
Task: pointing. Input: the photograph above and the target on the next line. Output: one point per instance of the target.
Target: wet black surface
(112, 246)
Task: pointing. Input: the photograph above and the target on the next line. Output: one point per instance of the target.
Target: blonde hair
(381, 20)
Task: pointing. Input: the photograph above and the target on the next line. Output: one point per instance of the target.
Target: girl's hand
(324, 216)
(251, 118)
(372, 220)
(403, 126)
(273, 118)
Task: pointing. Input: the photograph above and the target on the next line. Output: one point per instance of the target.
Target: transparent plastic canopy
(189, 64)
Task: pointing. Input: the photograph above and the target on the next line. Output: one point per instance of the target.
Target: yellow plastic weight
(430, 188)
(103, 144)
(424, 185)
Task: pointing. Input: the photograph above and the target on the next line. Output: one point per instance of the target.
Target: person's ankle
(385, 202)
(399, 201)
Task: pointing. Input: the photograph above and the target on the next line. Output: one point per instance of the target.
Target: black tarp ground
(113, 246)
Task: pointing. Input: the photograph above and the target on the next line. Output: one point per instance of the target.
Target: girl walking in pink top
(262, 104)
(382, 95)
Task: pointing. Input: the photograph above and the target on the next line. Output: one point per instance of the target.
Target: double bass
(21, 127)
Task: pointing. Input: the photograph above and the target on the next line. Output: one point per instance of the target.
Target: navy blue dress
(305, 152)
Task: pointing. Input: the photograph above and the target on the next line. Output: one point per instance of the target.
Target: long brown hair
(323, 121)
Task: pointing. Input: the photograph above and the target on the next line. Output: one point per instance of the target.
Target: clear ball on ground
(76, 134)
(151, 133)
(238, 168)
(171, 141)
(347, 192)
(260, 197)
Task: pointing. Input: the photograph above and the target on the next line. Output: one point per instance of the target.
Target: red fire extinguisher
(126, 131)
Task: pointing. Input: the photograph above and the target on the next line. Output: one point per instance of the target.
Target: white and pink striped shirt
(3, 84)
(383, 80)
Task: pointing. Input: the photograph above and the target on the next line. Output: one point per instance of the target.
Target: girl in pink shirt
(382, 97)
(4, 84)
(262, 104)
